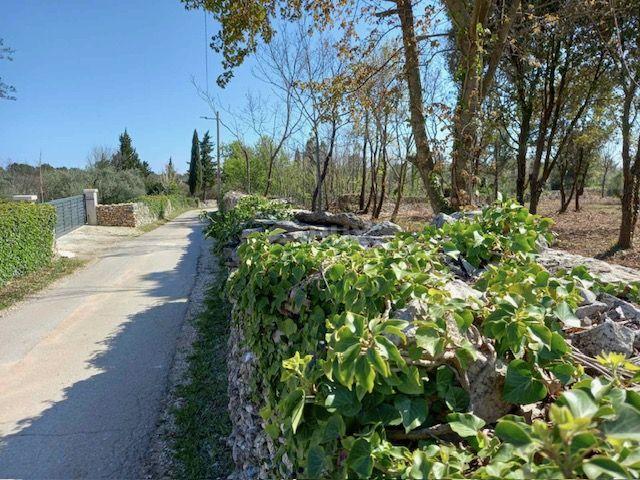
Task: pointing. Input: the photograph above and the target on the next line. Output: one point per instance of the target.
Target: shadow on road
(101, 427)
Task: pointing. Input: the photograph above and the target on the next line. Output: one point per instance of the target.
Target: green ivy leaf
(465, 424)
(365, 374)
(457, 399)
(333, 429)
(600, 467)
(430, 340)
(414, 411)
(421, 465)
(565, 315)
(342, 400)
(444, 380)
(359, 459)
(289, 327)
(626, 426)
(379, 364)
(521, 385)
(513, 433)
(580, 403)
(315, 462)
(296, 399)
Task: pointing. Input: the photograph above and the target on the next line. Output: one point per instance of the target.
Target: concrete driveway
(84, 365)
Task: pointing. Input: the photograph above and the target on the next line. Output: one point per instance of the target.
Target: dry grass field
(591, 232)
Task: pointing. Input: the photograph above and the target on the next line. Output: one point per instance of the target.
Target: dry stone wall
(607, 323)
(124, 215)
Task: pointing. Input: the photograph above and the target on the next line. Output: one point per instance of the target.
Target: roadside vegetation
(369, 365)
(22, 287)
(26, 238)
(202, 420)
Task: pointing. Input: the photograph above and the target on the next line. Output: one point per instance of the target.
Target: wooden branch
(386, 13)
(498, 49)
(436, 431)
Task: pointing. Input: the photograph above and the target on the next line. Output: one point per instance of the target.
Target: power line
(206, 51)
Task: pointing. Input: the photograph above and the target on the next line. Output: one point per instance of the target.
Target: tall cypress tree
(195, 166)
(126, 158)
(208, 167)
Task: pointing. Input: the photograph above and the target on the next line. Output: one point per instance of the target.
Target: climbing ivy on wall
(349, 386)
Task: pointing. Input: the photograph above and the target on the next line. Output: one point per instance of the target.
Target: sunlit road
(83, 367)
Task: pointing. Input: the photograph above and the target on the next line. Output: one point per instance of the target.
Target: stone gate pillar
(90, 204)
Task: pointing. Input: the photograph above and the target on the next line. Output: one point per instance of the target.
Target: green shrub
(26, 238)
(226, 227)
(166, 206)
(344, 394)
(118, 186)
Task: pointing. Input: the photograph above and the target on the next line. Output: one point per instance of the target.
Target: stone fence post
(90, 203)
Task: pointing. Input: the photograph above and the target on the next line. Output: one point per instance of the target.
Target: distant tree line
(120, 176)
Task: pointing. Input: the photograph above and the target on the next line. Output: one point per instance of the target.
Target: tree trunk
(604, 179)
(580, 186)
(373, 170)
(423, 159)
(629, 175)
(521, 159)
(316, 200)
(364, 165)
(401, 180)
(383, 182)
(475, 84)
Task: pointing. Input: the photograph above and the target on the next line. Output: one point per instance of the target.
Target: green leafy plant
(226, 227)
(26, 238)
(351, 387)
(165, 206)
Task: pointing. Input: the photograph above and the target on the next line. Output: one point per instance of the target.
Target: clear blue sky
(85, 70)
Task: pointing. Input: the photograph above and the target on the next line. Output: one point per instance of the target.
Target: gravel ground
(90, 241)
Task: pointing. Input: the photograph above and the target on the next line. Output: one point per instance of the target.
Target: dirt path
(84, 365)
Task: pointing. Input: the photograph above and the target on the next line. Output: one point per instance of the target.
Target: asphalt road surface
(84, 365)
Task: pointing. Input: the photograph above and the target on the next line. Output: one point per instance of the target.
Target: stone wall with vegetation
(123, 215)
(453, 352)
(26, 238)
(147, 209)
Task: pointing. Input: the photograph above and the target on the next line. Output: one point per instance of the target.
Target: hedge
(158, 204)
(26, 238)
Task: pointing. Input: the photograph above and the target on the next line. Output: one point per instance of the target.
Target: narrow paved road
(83, 367)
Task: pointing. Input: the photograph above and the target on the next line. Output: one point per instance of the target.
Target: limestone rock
(383, 229)
(591, 310)
(346, 220)
(231, 199)
(606, 337)
(299, 236)
(289, 225)
(459, 289)
(248, 231)
(554, 260)
(587, 296)
(368, 241)
(626, 310)
(440, 219)
(471, 214)
(415, 308)
(486, 382)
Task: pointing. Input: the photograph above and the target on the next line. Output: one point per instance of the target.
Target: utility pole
(40, 175)
(218, 170)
